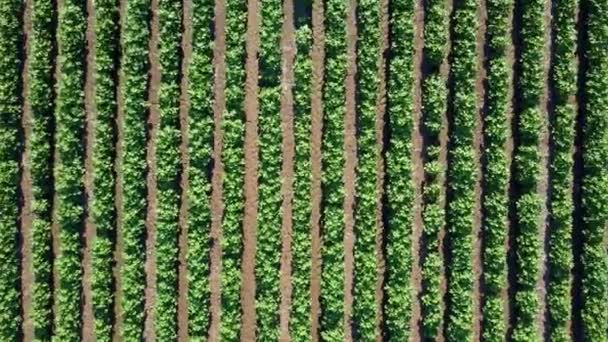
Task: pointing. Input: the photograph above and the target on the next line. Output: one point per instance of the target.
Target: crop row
(527, 167)
(200, 147)
(268, 259)
(10, 118)
(301, 246)
(104, 181)
(234, 165)
(69, 167)
(133, 91)
(434, 106)
(496, 170)
(369, 42)
(168, 168)
(563, 81)
(41, 98)
(333, 159)
(595, 181)
(399, 186)
(462, 171)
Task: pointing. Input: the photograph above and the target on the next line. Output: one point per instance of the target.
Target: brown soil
(318, 57)
(219, 106)
(479, 147)
(153, 123)
(27, 272)
(182, 302)
(417, 174)
(88, 319)
(251, 166)
(350, 150)
(380, 114)
(543, 185)
(288, 47)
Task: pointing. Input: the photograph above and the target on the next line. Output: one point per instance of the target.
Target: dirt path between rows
(182, 271)
(417, 174)
(25, 234)
(318, 57)
(380, 167)
(219, 105)
(251, 167)
(88, 318)
(288, 52)
(153, 125)
(479, 147)
(118, 200)
(350, 164)
(543, 185)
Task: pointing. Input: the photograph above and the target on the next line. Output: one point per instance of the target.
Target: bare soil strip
(350, 150)
(417, 174)
(88, 319)
(380, 115)
(506, 295)
(153, 122)
(444, 141)
(182, 301)
(479, 147)
(251, 167)
(318, 57)
(27, 272)
(219, 106)
(118, 200)
(543, 185)
(288, 50)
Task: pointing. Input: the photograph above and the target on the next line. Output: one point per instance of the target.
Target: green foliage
(595, 181)
(134, 68)
(334, 98)
(69, 167)
(10, 118)
(563, 77)
(434, 105)
(369, 41)
(268, 257)
(462, 171)
(528, 204)
(200, 147)
(496, 172)
(234, 169)
(399, 186)
(168, 169)
(103, 207)
(299, 323)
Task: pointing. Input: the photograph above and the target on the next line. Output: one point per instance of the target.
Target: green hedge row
(434, 106)
(268, 257)
(528, 204)
(595, 181)
(333, 159)
(462, 171)
(300, 319)
(234, 168)
(10, 119)
(41, 97)
(69, 167)
(365, 310)
(200, 130)
(103, 208)
(168, 160)
(134, 92)
(496, 169)
(561, 208)
(399, 185)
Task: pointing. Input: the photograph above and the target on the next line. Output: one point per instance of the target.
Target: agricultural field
(304, 170)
